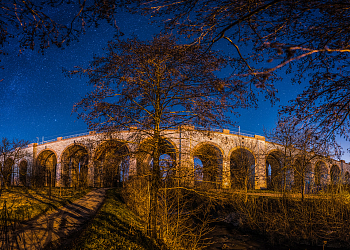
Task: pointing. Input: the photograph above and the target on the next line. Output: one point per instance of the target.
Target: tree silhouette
(307, 38)
(153, 86)
(301, 146)
(36, 24)
(10, 152)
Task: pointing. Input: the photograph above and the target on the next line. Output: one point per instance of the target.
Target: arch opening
(302, 175)
(74, 162)
(208, 161)
(167, 159)
(7, 172)
(198, 170)
(335, 175)
(275, 173)
(23, 168)
(321, 175)
(111, 164)
(242, 168)
(347, 178)
(166, 166)
(166, 162)
(46, 169)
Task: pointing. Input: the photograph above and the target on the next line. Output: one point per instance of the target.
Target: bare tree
(152, 87)
(36, 25)
(324, 105)
(302, 145)
(10, 152)
(307, 38)
(276, 29)
(243, 163)
(282, 135)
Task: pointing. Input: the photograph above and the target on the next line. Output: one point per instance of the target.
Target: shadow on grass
(34, 202)
(114, 227)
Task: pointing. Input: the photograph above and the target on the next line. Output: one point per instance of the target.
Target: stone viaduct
(98, 159)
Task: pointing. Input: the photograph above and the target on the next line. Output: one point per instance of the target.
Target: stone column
(328, 176)
(132, 166)
(29, 173)
(59, 175)
(14, 179)
(91, 172)
(185, 171)
(70, 172)
(342, 172)
(260, 164)
(226, 174)
(97, 173)
(312, 174)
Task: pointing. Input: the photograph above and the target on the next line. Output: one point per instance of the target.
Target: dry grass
(182, 222)
(290, 220)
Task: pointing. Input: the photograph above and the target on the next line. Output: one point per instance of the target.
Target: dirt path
(56, 225)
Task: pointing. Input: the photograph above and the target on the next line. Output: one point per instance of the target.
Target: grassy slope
(114, 227)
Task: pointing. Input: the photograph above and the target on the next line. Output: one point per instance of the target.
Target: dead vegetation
(288, 220)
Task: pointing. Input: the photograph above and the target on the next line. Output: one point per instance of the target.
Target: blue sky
(37, 98)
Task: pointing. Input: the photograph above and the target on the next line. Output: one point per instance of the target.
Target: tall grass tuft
(289, 220)
(181, 224)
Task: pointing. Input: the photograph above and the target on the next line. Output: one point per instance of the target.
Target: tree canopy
(309, 39)
(40, 24)
(158, 83)
(277, 30)
(155, 86)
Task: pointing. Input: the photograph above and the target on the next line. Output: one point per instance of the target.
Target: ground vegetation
(290, 221)
(115, 227)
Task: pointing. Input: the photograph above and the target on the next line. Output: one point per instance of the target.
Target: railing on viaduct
(234, 132)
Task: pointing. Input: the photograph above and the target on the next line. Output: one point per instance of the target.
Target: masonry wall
(186, 141)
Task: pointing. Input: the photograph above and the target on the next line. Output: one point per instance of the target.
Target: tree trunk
(302, 186)
(155, 186)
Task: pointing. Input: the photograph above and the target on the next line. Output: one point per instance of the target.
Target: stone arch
(213, 144)
(208, 163)
(74, 165)
(7, 171)
(45, 170)
(167, 158)
(302, 174)
(320, 174)
(23, 170)
(76, 144)
(49, 149)
(275, 174)
(242, 168)
(335, 174)
(242, 147)
(111, 161)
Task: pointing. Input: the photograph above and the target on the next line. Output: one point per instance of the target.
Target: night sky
(37, 98)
